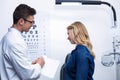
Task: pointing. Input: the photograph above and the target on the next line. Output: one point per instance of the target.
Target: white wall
(98, 20)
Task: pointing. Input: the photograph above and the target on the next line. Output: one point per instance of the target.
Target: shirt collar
(15, 30)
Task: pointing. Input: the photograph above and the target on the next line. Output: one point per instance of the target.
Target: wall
(97, 19)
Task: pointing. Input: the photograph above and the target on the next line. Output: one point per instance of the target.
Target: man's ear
(21, 21)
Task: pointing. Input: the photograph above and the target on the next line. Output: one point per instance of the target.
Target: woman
(80, 64)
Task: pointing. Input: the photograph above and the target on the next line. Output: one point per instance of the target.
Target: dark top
(80, 65)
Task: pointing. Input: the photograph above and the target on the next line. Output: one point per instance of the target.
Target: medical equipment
(92, 2)
(32, 39)
(112, 57)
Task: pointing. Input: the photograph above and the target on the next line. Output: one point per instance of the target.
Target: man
(14, 64)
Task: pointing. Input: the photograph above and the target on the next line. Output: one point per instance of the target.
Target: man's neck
(18, 27)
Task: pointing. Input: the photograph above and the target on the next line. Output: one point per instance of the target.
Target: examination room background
(52, 20)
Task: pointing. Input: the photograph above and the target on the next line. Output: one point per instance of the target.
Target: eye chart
(38, 37)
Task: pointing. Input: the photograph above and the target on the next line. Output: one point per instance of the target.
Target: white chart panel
(37, 39)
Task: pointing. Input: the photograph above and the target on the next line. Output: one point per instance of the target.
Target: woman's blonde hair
(81, 35)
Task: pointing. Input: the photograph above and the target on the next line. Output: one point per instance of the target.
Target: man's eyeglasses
(32, 22)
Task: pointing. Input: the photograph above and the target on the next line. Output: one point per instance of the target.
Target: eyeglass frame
(32, 22)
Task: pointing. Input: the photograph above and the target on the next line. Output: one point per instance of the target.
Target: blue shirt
(80, 65)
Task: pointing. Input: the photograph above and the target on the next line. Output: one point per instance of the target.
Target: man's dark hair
(23, 11)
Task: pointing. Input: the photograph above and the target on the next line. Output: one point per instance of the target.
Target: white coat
(14, 64)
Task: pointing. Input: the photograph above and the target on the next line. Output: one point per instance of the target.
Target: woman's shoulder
(82, 50)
